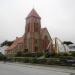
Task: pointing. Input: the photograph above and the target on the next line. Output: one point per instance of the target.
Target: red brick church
(35, 38)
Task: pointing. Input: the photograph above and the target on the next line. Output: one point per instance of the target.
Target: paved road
(22, 69)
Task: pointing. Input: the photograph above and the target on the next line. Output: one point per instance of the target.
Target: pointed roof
(33, 13)
(44, 32)
(19, 40)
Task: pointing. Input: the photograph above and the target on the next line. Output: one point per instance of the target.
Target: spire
(33, 13)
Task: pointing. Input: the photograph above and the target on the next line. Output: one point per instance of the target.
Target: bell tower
(32, 32)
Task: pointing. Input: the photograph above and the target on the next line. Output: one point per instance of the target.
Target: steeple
(33, 13)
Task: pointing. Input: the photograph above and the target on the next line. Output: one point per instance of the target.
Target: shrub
(41, 61)
(2, 57)
(72, 53)
(27, 59)
(34, 60)
(53, 61)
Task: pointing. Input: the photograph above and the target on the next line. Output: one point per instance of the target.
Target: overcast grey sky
(57, 15)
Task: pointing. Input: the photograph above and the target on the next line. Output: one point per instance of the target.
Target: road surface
(23, 69)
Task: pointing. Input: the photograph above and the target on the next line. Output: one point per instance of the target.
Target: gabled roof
(33, 13)
(44, 32)
(19, 40)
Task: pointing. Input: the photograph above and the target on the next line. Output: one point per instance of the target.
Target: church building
(35, 38)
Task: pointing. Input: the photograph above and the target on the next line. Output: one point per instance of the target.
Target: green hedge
(21, 59)
(49, 61)
(35, 60)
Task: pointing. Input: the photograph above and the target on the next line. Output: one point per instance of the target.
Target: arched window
(36, 27)
(46, 41)
(28, 28)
